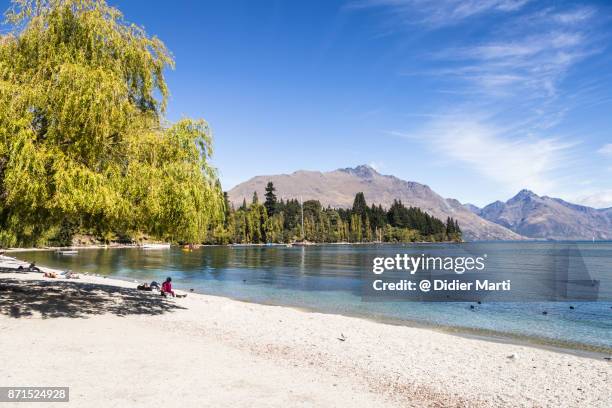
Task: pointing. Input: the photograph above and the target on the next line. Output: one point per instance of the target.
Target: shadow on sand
(24, 298)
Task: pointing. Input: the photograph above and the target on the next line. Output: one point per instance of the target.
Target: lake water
(329, 278)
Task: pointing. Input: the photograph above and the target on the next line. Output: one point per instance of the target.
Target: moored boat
(66, 252)
(155, 246)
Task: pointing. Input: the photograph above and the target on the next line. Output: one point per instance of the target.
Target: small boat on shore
(303, 243)
(155, 246)
(66, 252)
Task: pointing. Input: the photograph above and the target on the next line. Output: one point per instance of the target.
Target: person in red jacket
(166, 287)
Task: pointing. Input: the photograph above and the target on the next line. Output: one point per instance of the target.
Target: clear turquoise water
(329, 279)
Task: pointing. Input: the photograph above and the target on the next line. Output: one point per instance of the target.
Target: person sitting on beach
(50, 275)
(34, 268)
(167, 287)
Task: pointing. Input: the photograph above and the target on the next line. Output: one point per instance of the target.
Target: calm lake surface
(329, 278)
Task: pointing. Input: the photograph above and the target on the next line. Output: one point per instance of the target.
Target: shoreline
(248, 354)
(294, 244)
(271, 244)
(556, 345)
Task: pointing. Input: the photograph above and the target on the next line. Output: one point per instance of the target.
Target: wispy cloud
(597, 199)
(606, 150)
(439, 13)
(534, 64)
(550, 16)
(515, 163)
(377, 165)
(528, 54)
(574, 16)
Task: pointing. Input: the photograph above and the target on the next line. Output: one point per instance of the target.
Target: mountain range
(524, 216)
(545, 217)
(338, 188)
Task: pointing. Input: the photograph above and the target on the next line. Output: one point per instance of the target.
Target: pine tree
(450, 226)
(359, 206)
(271, 201)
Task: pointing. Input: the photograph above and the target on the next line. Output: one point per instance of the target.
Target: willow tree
(83, 137)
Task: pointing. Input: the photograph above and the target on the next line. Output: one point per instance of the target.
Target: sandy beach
(116, 346)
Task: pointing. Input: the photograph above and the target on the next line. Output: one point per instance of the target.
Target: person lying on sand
(70, 275)
(66, 275)
(144, 286)
(148, 287)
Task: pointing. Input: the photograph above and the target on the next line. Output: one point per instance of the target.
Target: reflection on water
(329, 279)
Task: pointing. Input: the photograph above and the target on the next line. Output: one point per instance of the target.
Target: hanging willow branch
(82, 132)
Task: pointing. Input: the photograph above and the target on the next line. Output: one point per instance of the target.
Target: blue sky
(476, 98)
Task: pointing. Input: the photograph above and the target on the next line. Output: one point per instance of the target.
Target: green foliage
(359, 206)
(252, 224)
(83, 141)
(271, 201)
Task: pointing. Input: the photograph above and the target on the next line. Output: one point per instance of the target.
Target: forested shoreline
(274, 221)
(280, 221)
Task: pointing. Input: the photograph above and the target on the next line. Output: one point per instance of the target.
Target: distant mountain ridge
(546, 217)
(472, 208)
(338, 188)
